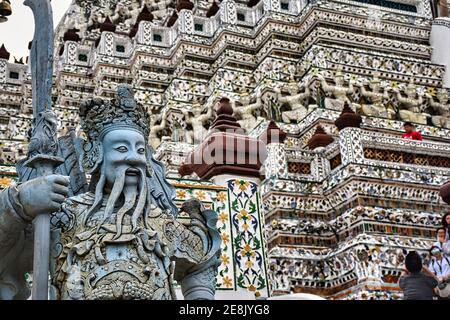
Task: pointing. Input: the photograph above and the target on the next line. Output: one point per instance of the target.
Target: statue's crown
(98, 116)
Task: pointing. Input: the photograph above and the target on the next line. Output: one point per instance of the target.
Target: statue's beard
(135, 196)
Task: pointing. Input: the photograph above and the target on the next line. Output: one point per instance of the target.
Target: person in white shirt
(440, 237)
(439, 264)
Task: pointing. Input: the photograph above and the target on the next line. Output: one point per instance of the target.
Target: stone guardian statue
(120, 240)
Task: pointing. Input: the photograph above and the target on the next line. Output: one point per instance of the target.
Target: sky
(19, 29)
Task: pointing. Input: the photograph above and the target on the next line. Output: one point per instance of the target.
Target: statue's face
(196, 110)
(442, 96)
(411, 91)
(245, 99)
(292, 89)
(375, 86)
(124, 150)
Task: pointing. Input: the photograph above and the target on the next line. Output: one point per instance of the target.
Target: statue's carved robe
(91, 264)
(87, 264)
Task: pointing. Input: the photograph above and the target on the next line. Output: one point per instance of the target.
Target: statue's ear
(91, 155)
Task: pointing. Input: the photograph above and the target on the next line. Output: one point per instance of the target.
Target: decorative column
(4, 57)
(272, 5)
(318, 142)
(232, 159)
(228, 14)
(185, 17)
(276, 164)
(350, 143)
(105, 43)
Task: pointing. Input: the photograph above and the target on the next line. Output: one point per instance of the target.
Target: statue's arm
(305, 94)
(350, 87)
(197, 274)
(282, 99)
(400, 98)
(420, 100)
(161, 126)
(208, 115)
(435, 105)
(363, 90)
(325, 85)
(18, 207)
(15, 253)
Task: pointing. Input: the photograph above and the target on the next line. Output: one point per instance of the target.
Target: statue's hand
(43, 195)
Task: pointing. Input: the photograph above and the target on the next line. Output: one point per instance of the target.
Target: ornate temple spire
(273, 134)
(107, 25)
(320, 138)
(252, 3)
(71, 35)
(184, 5)
(225, 121)
(144, 15)
(212, 10)
(227, 149)
(4, 54)
(173, 18)
(348, 118)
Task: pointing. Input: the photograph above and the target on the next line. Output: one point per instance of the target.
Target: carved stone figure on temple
(97, 17)
(411, 109)
(295, 101)
(376, 107)
(339, 91)
(442, 107)
(197, 120)
(120, 239)
(246, 111)
(157, 124)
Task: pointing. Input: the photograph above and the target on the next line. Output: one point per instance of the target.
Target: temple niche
(339, 196)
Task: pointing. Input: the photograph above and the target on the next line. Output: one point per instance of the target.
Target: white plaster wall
(440, 41)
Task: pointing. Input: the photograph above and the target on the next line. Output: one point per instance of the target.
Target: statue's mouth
(132, 172)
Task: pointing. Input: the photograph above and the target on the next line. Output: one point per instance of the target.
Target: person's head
(413, 262)
(436, 252)
(446, 220)
(409, 127)
(440, 233)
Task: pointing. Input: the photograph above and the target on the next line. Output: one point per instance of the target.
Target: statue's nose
(134, 159)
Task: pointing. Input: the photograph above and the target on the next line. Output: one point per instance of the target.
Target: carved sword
(44, 143)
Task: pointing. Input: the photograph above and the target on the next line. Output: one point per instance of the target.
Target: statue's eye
(141, 150)
(122, 149)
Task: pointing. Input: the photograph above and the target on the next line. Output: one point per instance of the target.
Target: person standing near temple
(440, 266)
(417, 282)
(411, 133)
(441, 237)
(446, 226)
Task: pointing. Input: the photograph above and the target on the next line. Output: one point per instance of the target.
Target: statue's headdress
(98, 117)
